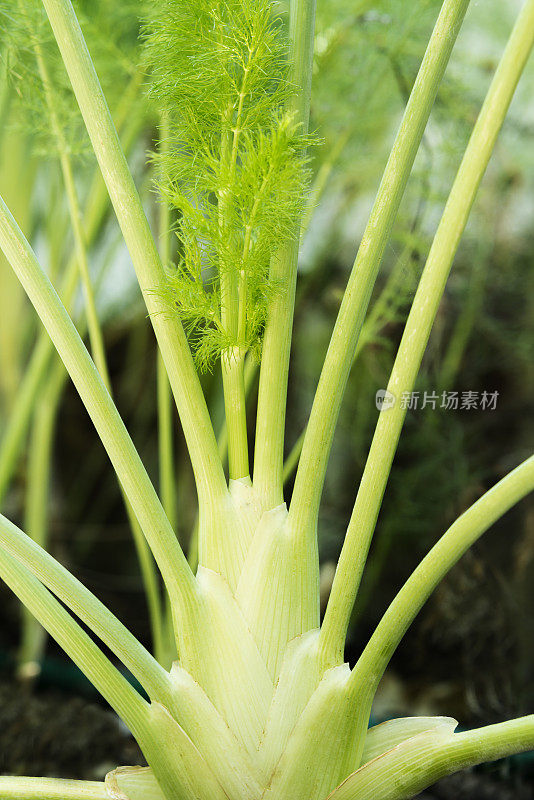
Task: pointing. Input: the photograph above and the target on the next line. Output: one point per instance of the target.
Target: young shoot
(233, 168)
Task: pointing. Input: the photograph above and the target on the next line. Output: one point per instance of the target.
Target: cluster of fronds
(234, 166)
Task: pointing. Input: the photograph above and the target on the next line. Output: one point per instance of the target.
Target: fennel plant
(259, 702)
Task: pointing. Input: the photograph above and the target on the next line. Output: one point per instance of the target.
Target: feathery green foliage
(234, 165)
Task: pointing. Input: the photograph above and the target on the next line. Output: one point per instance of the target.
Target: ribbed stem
(329, 395)
(417, 331)
(272, 393)
(232, 365)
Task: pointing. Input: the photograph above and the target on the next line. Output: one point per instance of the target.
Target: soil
(473, 786)
(53, 734)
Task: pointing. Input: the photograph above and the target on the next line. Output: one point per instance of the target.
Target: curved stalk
(418, 762)
(328, 397)
(272, 392)
(188, 395)
(417, 331)
(433, 568)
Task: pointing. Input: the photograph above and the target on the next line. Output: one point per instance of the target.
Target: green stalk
(272, 392)
(124, 457)
(86, 606)
(232, 365)
(36, 523)
(418, 762)
(93, 323)
(51, 789)
(417, 332)
(370, 329)
(166, 649)
(463, 533)
(13, 437)
(165, 444)
(165, 426)
(75, 642)
(190, 401)
(233, 309)
(17, 176)
(327, 402)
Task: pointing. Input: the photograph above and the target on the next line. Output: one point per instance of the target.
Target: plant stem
(40, 359)
(77, 644)
(417, 332)
(93, 323)
(36, 523)
(165, 426)
(124, 457)
(85, 605)
(232, 364)
(418, 762)
(190, 401)
(51, 789)
(432, 569)
(165, 444)
(272, 392)
(167, 475)
(329, 395)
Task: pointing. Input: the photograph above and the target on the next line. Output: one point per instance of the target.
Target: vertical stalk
(169, 332)
(167, 475)
(417, 331)
(93, 324)
(165, 427)
(272, 392)
(232, 364)
(327, 402)
(233, 307)
(38, 481)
